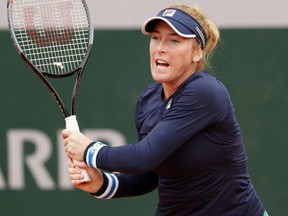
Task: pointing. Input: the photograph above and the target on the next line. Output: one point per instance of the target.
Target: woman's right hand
(74, 170)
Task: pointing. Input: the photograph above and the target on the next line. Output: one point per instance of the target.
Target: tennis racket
(54, 37)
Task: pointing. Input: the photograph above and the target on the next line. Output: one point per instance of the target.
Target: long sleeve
(135, 185)
(195, 106)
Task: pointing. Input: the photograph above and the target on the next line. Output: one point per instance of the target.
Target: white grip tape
(71, 123)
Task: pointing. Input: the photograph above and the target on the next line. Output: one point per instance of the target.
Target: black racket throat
(71, 81)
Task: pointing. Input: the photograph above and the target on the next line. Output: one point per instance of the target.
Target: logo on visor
(169, 12)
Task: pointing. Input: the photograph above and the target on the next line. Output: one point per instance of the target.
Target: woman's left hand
(75, 143)
(76, 176)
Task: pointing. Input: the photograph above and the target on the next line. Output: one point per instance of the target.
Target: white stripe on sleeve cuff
(92, 152)
(112, 187)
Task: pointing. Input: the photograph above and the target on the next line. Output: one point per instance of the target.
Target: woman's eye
(154, 37)
(175, 41)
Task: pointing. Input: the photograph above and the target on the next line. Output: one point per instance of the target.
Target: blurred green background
(251, 63)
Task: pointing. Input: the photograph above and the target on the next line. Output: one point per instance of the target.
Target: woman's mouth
(161, 63)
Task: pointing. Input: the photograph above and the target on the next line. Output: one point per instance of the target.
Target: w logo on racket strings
(42, 27)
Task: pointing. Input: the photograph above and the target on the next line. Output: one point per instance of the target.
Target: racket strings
(53, 34)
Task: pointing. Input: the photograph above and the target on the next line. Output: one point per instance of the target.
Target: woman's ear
(197, 54)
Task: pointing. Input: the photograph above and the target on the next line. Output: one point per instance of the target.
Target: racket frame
(42, 75)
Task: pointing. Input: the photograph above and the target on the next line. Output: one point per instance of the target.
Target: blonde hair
(210, 29)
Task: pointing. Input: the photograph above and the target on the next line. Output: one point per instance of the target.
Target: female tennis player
(190, 146)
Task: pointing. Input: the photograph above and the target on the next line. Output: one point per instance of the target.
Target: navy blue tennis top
(190, 149)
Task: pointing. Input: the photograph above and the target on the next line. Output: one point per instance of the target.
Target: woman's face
(172, 58)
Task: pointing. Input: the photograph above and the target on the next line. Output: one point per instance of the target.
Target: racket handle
(71, 123)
